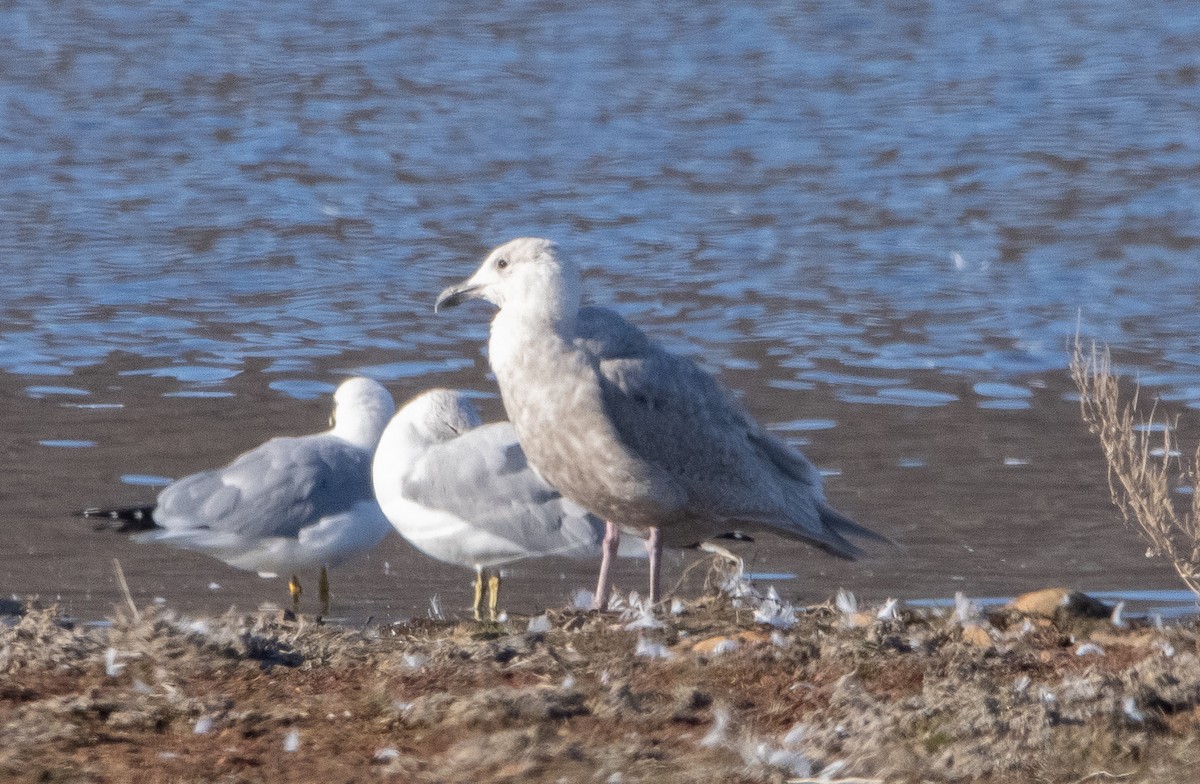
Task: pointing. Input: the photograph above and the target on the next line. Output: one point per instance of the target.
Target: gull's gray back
(483, 478)
(276, 489)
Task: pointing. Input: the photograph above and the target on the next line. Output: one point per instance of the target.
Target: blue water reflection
(951, 186)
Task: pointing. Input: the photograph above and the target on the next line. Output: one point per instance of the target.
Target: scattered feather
(642, 618)
(965, 610)
(890, 611)
(1118, 616)
(435, 609)
(539, 625)
(716, 735)
(775, 612)
(582, 599)
(725, 646)
(1089, 649)
(795, 735)
(203, 725)
(291, 741)
(112, 668)
(652, 650)
(846, 602)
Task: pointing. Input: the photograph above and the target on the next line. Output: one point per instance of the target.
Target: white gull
(289, 504)
(464, 494)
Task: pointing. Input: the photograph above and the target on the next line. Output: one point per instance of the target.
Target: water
(881, 222)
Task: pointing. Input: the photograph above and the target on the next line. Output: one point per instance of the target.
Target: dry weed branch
(1143, 463)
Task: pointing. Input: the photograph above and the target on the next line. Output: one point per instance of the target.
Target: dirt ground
(735, 687)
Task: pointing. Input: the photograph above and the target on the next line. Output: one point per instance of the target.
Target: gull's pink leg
(612, 540)
(654, 548)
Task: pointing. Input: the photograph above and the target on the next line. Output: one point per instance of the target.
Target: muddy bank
(738, 689)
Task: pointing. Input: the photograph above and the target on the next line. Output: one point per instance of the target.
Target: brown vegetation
(1144, 464)
(706, 694)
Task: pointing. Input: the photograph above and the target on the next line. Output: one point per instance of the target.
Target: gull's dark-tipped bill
(453, 296)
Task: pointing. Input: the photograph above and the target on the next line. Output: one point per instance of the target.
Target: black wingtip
(121, 519)
(843, 525)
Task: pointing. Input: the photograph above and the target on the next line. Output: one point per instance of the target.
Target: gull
(641, 437)
(289, 504)
(464, 494)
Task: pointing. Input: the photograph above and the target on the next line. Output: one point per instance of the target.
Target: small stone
(1044, 603)
(1104, 637)
(976, 635)
(1050, 602)
(727, 643)
(859, 619)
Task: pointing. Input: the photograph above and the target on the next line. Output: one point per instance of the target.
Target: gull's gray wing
(276, 489)
(670, 413)
(483, 478)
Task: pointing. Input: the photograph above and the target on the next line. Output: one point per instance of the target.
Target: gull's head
(361, 410)
(437, 415)
(526, 273)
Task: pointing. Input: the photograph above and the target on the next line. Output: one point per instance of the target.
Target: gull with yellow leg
(290, 504)
(463, 493)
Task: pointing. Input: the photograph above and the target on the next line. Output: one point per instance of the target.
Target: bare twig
(1101, 774)
(137, 616)
(1143, 462)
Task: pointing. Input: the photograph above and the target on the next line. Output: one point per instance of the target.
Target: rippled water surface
(880, 221)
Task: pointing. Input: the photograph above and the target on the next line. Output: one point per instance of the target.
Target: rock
(1110, 637)
(976, 635)
(861, 619)
(707, 646)
(1050, 602)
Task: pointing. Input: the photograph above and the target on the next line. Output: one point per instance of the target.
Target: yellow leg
(493, 595)
(295, 590)
(323, 591)
(478, 593)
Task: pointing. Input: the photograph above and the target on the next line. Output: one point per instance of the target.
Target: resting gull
(287, 505)
(637, 435)
(463, 493)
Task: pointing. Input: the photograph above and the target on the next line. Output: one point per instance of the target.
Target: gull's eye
(501, 263)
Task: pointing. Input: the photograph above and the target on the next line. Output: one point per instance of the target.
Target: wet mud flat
(735, 689)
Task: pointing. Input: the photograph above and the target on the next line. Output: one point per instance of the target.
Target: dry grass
(903, 699)
(1144, 464)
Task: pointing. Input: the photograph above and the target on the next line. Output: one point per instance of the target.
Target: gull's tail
(842, 526)
(122, 519)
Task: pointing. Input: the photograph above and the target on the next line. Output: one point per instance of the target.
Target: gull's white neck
(361, 427)
(544, 314)
(401, 446)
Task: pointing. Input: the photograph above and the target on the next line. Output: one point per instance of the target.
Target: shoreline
(730, 688)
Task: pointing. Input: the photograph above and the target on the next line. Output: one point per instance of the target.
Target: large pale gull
(463, 493)
(640, 437)
(290, 504)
